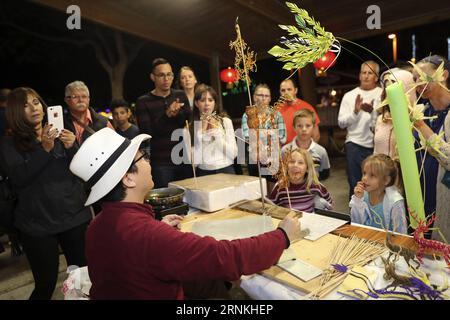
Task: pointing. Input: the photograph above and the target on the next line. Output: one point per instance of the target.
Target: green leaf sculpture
(306, 44)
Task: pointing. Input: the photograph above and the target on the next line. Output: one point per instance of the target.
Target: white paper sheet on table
(231, 229)
(300, 269)
(319, 225)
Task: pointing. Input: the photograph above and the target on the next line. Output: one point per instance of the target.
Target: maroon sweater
(133, 256)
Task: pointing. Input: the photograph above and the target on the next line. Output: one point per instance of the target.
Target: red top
(133, 256)
(288, 112)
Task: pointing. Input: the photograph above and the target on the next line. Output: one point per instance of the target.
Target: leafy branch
(307, 43)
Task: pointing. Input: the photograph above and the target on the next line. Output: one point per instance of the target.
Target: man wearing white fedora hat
(131, 255)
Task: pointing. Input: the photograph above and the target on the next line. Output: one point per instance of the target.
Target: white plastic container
(218, 191)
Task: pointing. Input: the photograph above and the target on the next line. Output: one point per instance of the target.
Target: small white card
(300, 269)
(319, 225)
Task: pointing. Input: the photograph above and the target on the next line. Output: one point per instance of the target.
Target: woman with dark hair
(212, 133)
(187, 82)
(50, 211)
(435, 166)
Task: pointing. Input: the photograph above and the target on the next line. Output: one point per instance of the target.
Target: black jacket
(50, 198)
(152, 119)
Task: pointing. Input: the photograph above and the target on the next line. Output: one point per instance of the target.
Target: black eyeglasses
(144, 156)
(169, 75)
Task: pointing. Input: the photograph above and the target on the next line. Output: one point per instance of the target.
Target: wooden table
(312, 252)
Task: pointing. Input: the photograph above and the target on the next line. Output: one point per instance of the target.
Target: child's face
(296, 168)
(206, 104)
(373, 182)
(304, 128)
(121, 114)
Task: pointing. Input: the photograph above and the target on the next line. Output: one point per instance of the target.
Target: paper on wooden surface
(319, 225)
(231, 229)
(300, 269)
(288, 254)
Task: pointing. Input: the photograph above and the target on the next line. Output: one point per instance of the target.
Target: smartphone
(55, 118)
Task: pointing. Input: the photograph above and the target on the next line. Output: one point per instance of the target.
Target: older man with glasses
(159, 113)
(81, 118)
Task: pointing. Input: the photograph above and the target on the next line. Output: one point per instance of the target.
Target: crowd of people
(65, 179)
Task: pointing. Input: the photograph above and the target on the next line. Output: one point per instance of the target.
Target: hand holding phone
(55, 118)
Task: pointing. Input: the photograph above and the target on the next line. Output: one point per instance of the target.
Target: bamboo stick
(191, 151)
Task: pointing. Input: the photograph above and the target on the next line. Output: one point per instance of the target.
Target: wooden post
(307, 81)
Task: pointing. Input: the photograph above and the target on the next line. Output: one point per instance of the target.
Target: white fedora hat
(103, 159)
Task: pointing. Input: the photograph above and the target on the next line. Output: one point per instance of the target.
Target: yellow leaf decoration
(434, 143)
(416, 113)
(436, 77)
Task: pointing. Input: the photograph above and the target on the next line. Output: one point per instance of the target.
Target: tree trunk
(116, 86)
(116, 78)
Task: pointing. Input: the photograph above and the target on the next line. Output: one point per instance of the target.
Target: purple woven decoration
(340, 268)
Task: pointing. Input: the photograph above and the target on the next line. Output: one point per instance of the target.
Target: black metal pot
(165, 197)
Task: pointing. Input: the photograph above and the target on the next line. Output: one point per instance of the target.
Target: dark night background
(47, 66)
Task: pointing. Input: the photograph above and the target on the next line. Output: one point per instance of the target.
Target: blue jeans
(355, 156)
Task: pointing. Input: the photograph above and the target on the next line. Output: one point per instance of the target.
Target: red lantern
(229, 76)
(327, 61)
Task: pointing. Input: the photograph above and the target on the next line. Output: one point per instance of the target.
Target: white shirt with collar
(360, 126)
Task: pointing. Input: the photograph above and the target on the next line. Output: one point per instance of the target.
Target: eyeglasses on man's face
(81, 97)
(144, 155)
(169, 75)
(260, 95)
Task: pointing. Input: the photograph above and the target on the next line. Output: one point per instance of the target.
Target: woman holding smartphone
(50, 211)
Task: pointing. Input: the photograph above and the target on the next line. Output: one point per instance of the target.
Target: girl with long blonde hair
(376, 201)
(298, 186)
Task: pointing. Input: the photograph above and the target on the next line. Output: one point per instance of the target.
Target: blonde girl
(376, 201)
(298, 177)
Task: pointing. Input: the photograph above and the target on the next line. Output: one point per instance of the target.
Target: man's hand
(358, 103)
(359, 190)
(173, 109)
(291, 225)
(173, 220)
(367, 107)
(67, 138)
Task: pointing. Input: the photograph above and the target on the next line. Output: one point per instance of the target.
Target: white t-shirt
(216, 148)
(359, 126)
